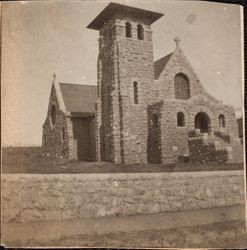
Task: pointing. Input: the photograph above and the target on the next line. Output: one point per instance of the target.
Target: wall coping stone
(120, 176)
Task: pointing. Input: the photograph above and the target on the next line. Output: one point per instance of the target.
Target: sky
(40, 38)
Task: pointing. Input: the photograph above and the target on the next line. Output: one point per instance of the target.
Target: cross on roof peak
(177, 40)
(54, 77)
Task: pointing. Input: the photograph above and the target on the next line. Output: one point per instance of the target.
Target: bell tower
(125, 82)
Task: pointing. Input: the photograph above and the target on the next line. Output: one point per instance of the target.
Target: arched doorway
(202, 122)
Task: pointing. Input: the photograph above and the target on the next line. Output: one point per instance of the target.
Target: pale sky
(40, 38)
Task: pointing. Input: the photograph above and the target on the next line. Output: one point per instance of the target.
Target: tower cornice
(115, 8)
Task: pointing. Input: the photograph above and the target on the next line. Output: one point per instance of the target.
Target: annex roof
(115, 8)
(79, 98)
(160, 64)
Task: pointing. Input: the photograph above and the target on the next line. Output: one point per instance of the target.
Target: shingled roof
(160, 64)
(79, 98)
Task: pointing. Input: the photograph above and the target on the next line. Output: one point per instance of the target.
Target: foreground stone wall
(27, 197)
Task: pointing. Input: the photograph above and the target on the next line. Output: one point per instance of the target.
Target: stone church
(141, 111)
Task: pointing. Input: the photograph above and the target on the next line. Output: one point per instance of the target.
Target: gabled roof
(115, 8)
(79, 98)
(160, 64)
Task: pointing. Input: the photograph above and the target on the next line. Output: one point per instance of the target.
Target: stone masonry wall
(124, 123)
(108, 117)
(154, 133)
(92, 139)
(175, 139)
(72, 146)
(138, 55)
(53, 143)
(178, 63)
(97, 124)
(60, 197)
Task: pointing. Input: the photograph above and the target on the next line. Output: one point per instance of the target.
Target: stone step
(234, 148)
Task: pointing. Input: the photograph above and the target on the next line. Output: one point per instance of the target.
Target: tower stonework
(125, 82)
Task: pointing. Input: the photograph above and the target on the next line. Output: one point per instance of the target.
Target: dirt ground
(30, 160)
(230, 234)
(222, 227)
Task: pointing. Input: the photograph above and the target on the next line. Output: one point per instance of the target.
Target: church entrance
(202, 122)
(83, 136)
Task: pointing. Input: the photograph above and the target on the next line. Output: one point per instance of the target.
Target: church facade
(141, 111)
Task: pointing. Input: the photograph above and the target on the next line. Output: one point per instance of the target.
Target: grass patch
(30, 160)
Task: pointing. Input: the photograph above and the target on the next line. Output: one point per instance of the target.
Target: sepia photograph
(122, 124)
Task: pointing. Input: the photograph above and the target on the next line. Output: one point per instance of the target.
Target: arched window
(63, 133)
(135, 86)
(181, 86)
(155, 121)
(53, 114)
(222, 122)
(128, 29)
(140, 32)
(180, 119)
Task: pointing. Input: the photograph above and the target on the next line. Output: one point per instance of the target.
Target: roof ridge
(160, 64)
(164, 56)
(59, 96)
